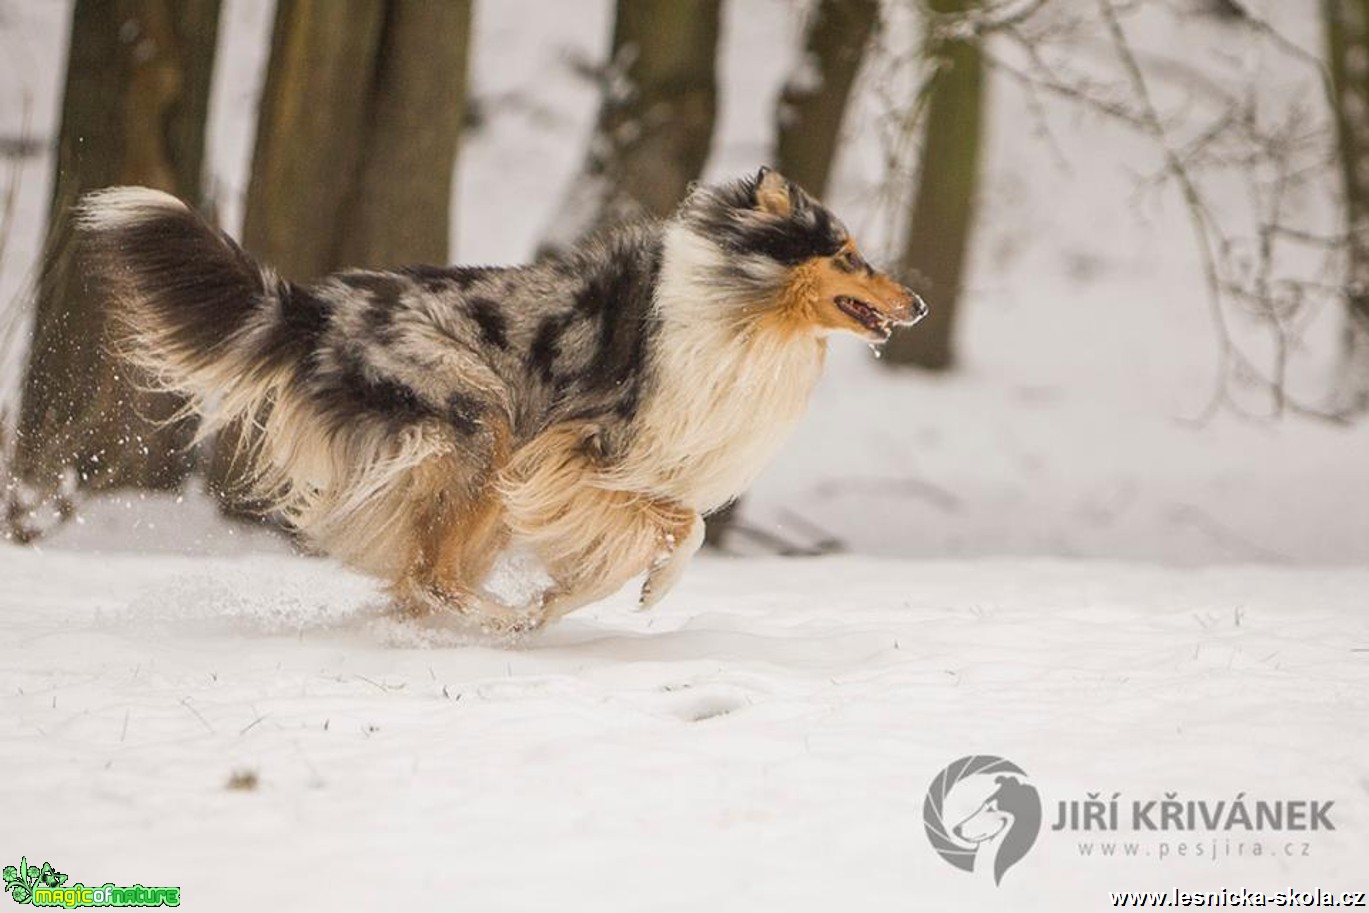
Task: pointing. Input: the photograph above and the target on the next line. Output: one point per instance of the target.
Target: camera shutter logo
(999, 832)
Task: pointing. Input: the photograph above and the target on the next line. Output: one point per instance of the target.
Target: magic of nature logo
(44, 886)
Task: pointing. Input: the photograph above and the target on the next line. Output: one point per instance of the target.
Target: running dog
(416, 423)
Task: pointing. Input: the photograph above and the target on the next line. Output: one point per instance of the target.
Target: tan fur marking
(808, 302)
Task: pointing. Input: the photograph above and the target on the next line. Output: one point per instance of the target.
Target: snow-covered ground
(764, 740)
(1049, 564)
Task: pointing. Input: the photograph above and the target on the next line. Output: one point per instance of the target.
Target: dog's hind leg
(459, 532)
(457, 549)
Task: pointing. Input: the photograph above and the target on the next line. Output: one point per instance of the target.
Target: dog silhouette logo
(996, 834)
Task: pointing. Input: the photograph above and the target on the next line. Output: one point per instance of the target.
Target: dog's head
(798, 258)
(985, 823)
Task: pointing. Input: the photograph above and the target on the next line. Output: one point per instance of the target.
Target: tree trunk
(933, 258)
(357, 135)
(310, 132)
(400, 210)
(357, 143)
(1347, 38)
(808, 123)
(813, 103)
(133, 112)
(656, 119)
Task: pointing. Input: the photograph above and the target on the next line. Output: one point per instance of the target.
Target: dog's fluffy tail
(208, 321)
(201, 315)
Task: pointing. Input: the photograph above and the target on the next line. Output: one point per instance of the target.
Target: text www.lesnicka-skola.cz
(1242, 897)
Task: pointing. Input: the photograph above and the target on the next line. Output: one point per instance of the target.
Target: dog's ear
(772, 193)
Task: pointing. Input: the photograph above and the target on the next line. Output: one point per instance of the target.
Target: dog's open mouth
(866, 316)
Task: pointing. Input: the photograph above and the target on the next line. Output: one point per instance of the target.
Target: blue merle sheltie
(591, 406)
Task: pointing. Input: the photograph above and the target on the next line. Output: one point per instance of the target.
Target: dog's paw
(510, 628)
(667, 570)
(660, 580)
(649, 596)
(509, 622)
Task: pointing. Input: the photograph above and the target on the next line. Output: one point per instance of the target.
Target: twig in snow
(185, 702)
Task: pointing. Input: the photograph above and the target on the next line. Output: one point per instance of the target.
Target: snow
(1047, 560)
(763, 740)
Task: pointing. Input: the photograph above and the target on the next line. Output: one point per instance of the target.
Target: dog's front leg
(680, 544)
(630, 533)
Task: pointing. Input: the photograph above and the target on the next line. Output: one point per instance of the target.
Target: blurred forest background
(365, 106)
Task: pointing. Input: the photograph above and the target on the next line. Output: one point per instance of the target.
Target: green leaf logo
(23, 879)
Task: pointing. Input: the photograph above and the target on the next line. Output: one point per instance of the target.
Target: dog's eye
(851, 261)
